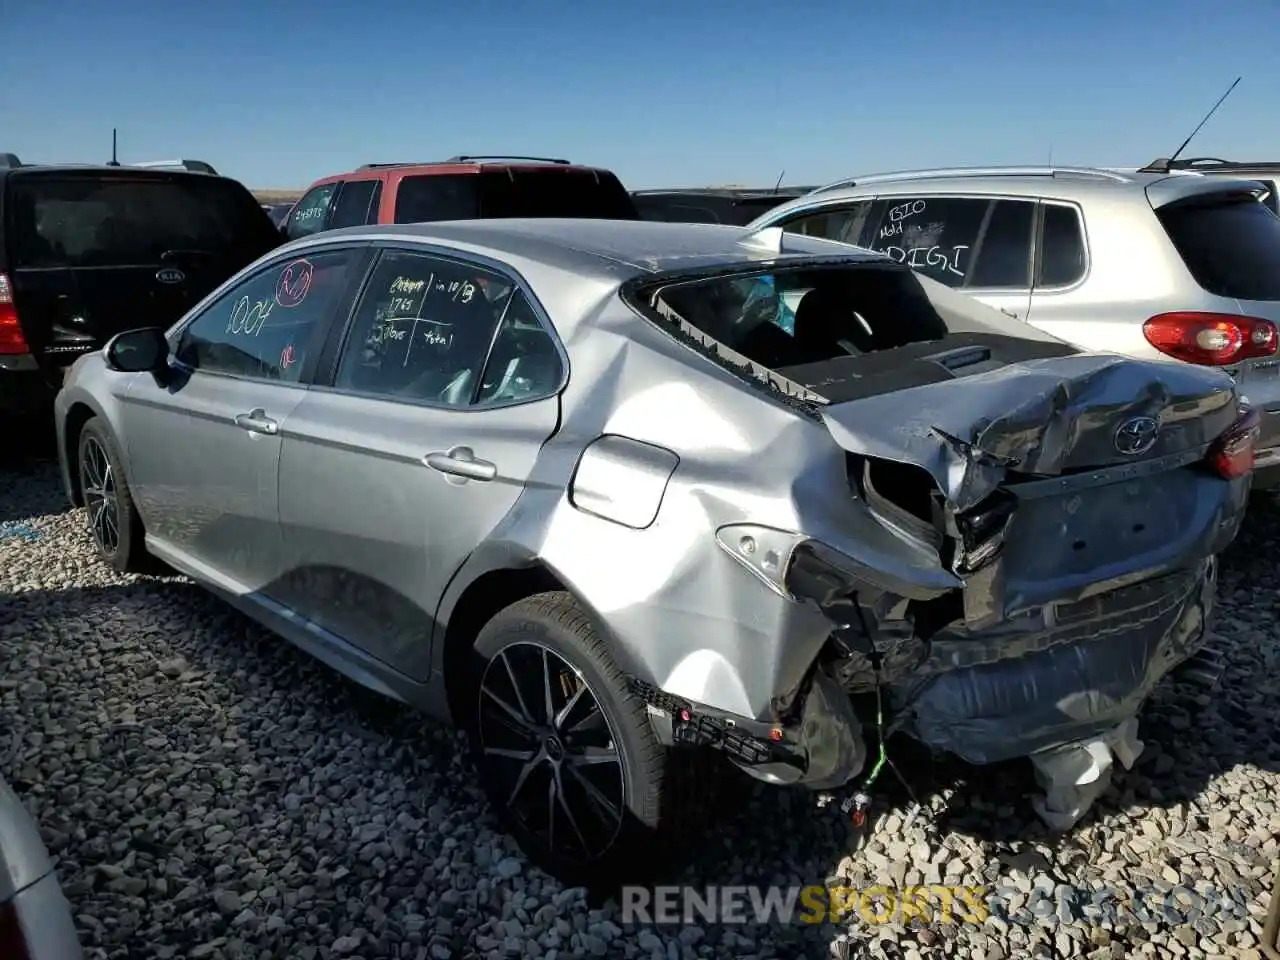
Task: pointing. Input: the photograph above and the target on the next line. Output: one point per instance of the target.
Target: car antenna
(1165, 164)
(778, 186)
(113, 162)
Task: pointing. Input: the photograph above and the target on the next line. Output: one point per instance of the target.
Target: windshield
(106, 221)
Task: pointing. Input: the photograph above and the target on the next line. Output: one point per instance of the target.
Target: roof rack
(957, 172)
(472, 157)
(8, 160)
(195, 166)
(403, 163)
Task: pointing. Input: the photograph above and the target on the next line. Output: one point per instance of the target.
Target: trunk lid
(95, 252)
(1054, 480)
(1037, 418)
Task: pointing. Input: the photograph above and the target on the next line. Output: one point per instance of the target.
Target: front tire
(566, 753)
(114, 523)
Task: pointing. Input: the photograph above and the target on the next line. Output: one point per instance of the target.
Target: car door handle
(461, 462)
(257, 421)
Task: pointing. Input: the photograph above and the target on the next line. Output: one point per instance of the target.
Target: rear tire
(114, 523)
(586, 789)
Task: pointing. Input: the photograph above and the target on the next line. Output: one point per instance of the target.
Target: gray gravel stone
(209, 791)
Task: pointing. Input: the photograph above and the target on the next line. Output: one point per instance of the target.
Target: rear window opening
(86, 221)
(1230, 243)
(793, 318)
(499, 194)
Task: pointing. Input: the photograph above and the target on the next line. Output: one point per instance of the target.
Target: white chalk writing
(937, 257)
(249, 318)
(904, 210)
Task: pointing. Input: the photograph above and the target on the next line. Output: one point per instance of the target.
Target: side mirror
(138, 351)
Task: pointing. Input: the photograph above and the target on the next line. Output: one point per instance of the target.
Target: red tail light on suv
(1211, 339)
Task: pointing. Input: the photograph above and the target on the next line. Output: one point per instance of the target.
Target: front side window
(844, 223)
(933, 235)
(422, 330)
(265, 327)
(310, 213)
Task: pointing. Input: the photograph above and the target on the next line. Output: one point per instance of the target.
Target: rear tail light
(1211, 339)
(1231, 455)
(11, 339)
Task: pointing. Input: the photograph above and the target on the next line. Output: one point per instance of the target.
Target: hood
(1041, 418)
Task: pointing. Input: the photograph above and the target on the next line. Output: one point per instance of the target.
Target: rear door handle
(461, 462)
(257, 421)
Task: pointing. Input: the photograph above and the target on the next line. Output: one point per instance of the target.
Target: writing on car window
(423, 329)
(265, 326)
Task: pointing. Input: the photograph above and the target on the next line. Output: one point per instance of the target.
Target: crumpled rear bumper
(1073, 680)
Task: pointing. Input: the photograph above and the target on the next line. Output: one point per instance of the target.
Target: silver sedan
(629, 500)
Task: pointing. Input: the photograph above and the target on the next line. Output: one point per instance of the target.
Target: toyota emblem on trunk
(170, 275)
(1137, 435)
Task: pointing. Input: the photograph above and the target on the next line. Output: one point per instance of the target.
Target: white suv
(1157, 265)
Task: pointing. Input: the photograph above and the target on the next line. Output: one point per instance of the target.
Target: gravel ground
(209, 791)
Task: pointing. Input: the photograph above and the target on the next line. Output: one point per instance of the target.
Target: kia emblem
(170, 275)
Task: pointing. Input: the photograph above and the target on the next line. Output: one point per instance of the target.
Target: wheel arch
(78, 414)
(483, 596)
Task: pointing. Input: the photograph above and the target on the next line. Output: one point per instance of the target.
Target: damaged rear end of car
(1037, 533)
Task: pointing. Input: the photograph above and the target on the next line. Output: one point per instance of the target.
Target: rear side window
(933, 235)
(352, 206)
(427, 198)
(1062, 253)
(92, 221)
(1003, 258)
(1229, 242)
(552, 192)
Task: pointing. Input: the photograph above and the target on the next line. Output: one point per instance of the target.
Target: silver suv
(1155, 265)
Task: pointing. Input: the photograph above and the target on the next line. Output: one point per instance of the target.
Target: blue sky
(277, 93)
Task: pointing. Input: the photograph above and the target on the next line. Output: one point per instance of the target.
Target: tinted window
(669, 212)
(1229, 242)
(352, 206)
(524, 363)
(445, 197)
(1004, 258)
(513, 193)
(1062, 254)
(933, 235)
(845, 224)
(310, 213)
(554, 192)
(265, 326)
(422, 329)
(83, 221)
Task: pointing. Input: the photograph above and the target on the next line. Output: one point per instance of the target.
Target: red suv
(460, 188)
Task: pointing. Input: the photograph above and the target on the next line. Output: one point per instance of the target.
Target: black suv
(88, 251)
(732, 205)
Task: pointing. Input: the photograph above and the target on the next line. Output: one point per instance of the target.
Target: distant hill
(277, 196)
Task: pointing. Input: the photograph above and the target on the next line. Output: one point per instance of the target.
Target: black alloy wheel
(551, 748)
